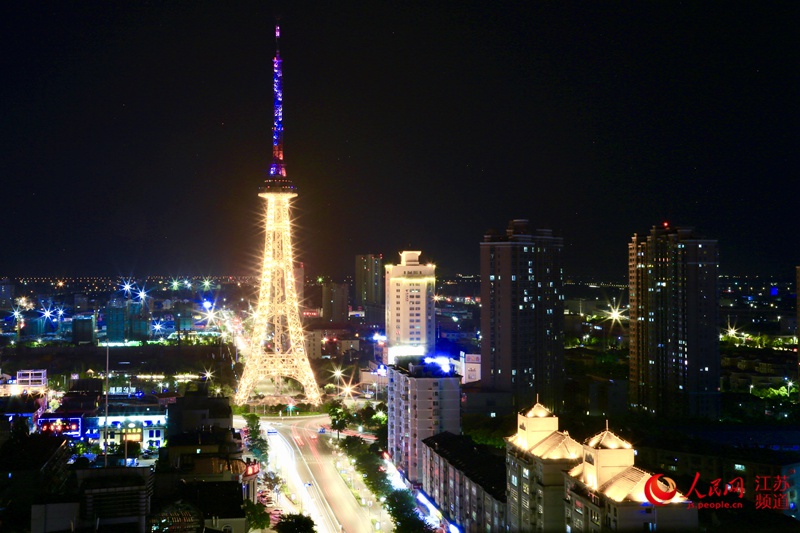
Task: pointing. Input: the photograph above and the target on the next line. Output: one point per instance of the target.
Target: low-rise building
(466, 481)
(606, 492)
(536, 456)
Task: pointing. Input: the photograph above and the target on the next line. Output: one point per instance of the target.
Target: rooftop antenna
(277, 169)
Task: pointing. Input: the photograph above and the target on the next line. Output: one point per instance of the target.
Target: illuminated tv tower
(277, 344)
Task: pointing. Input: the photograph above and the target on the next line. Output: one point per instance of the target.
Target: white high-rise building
(424, 399)
(410, 313)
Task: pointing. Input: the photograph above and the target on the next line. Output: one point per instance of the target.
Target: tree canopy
(295, 523)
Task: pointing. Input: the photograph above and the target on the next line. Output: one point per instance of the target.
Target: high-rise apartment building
(424, 399)
(369, 280)
(410, 312)
(522, 315)
(369, 286)
(674, 337)
(334, 302)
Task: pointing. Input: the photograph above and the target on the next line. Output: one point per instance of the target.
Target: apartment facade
(674, 335)
(410, 311)
(522, 314)
(424, 399)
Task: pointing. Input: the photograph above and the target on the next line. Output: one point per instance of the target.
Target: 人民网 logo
(653, 492)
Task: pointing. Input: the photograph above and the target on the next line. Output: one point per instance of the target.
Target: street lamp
(338, 375)
(380, 518)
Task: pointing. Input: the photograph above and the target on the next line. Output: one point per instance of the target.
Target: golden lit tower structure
(277, 347)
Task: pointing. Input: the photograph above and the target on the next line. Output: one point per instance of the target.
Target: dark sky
(135, 134)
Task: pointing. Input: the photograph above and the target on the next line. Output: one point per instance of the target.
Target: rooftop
(479, 463)
(538, 411)
(31, 454)
(558, 445)
(607, 440)
(216, 498)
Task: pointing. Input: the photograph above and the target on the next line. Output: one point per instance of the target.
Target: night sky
(135, 134)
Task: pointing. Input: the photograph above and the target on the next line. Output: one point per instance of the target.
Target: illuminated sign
(71, 426)
(132, 433)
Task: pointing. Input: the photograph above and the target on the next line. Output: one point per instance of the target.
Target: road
(320, 489)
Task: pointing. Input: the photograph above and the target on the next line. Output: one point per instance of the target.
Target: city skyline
(136, 136)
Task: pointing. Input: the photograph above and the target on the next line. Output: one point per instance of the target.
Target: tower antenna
(277, 168)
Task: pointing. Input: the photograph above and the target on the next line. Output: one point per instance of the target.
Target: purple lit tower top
(277, 180)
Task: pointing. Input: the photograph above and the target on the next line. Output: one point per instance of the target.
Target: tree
(272, 481)
(257, 444)
(256, 514)
(339, 416)
(20, 429)
(295, 523)
(402, 507)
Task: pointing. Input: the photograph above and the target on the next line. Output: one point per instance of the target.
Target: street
(306, 460)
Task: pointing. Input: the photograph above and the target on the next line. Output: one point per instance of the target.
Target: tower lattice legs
(277, 344)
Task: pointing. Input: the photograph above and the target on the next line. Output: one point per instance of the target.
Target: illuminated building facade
(605, 492)
(674, 336)
(522, 314)
(536, 456)
(423, 399)
(369, 286)
(410, 312)
(277, 344)
(466, 482)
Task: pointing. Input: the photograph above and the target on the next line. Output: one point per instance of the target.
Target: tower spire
(277, 170)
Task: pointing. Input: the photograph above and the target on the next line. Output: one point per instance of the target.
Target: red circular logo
(655, 495)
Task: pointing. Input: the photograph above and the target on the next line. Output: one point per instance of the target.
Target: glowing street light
(337, 373)
(127, 287)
